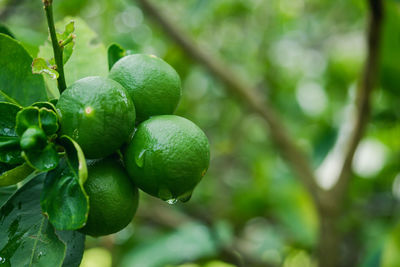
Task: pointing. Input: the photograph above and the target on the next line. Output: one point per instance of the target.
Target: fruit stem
(57, 49)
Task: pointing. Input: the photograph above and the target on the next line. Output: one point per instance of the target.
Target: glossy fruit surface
(153, 84)
(98, 113)
(167, 157)
(113, 198)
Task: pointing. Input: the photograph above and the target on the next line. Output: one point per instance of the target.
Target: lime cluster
(131, 111)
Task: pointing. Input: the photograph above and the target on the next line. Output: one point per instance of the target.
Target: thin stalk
(58, 51)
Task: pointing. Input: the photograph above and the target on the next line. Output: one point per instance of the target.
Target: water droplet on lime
(185, 197)
(165, 194)
(139, 159)
(172, 201)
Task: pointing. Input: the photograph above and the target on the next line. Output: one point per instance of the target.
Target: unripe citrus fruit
(167, 157)
(113, 198)
(33, 138)
(98, 113)
(153, 84)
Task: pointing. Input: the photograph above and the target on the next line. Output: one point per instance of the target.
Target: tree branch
(363, 98)
(57, 49)
(296, 159)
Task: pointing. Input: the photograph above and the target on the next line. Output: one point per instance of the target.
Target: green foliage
(281, 47)
(6, 192)
(94, 61)
(66, 40)
(42, 160)
(75, 242)
(39, 66)
(35, 125)
(26, 236)
(10, 152)
(15, 175)
(114, 52)
(64, 199)
(19, 84)
(6, 31)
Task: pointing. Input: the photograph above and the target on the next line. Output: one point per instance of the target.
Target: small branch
(58, 52)
(248, 95)
(363, 98)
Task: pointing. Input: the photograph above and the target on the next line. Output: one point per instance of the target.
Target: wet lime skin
(113, 198)
(167, 157)
(153, 84)
(98, 113)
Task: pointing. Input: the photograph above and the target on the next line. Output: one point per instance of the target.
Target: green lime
(33, 138)
(153, 84)
(113, 198)
(98, 113)
(167, 157)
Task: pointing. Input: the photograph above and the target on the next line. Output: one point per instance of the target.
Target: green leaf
(15, 175)
(42, 160)
(48, 105)
(10, 151)
(26, 118)
(17, 82)
(75, 242)
(93, 63)
(40, 66)
(75, 157)
(6, 193)
(26, 236)
(7, 142)
(6, 31)
(48, 121)
(8, 113)
(43, 118)
(64, 200)
(69, 29)
(114, 52)
(67, 40)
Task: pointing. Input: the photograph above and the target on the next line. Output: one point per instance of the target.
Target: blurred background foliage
(306, 56)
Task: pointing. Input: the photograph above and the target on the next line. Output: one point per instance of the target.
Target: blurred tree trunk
(329, 203)
(329, 240)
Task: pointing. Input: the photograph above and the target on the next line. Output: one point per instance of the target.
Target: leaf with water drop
(18, 84)
(75, 242)
(26, 236)
(42, 160)
(10, 153)
(64, 198)
(40, 66)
